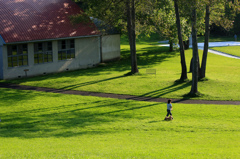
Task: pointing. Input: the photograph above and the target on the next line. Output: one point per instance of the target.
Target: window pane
(64, 55)
(15, 63)
(72, 44)
(45, 57)
(24, 48)
(40, 47)
(14, 50)
(40, 55)
(14, 58)
(20, 57)
(49, 46)
(25, 57)
(35, 60)
(25, 63)
(50, 58)
(9, 50)
(73, 53)
(9, 61)
(40, 60)
(59, 55)
(68, 54)
(63, 44)
(20, 63)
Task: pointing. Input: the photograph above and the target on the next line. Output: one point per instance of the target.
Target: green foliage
(80, 18)
(46, 125)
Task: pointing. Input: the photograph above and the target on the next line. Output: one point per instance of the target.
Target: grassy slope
(46, 125)
(233, 50)
(223, 74)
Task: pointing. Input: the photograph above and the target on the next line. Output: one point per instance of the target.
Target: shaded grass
(47, 125)
(233, 50)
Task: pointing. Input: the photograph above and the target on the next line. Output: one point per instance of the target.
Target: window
(17, 55)
(66, 49)
(43, 52)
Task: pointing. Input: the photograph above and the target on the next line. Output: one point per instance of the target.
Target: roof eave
(41, 40)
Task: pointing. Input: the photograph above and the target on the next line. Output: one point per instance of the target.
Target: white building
(37, 37)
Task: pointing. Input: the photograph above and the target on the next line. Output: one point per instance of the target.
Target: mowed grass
(47, 125)
(233, 50)
(222, 73)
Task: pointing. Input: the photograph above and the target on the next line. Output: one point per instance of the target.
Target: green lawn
(47, 125)
(233, 50)
(222, 74)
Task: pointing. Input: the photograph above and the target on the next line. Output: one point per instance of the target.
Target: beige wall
(110, 47)
(87, 54)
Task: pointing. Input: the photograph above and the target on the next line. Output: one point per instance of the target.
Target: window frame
(17, 55)
(66, 49)
(43, 52)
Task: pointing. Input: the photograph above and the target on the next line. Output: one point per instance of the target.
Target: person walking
(169, 108)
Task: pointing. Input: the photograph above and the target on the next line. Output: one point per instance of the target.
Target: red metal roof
(30, 20)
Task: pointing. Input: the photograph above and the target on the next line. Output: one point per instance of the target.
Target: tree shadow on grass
(68, 120)
(70, 87)
(13, 96)
(176, 86)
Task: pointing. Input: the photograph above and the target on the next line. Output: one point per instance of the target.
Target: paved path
(214, 44)
(221, 53)
(117, 96)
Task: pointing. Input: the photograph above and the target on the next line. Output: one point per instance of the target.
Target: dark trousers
(169, 112)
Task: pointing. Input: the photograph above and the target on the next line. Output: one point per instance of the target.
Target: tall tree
(194, 88)
(206, 44)
(182, 52)
(130, 5)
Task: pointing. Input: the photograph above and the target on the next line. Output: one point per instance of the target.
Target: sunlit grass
(233, 50)
(47, 125)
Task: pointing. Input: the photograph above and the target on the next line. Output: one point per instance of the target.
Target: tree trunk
(194, 89)
(186, 44)
(182, 53)
(206, 45)
(171, 45)
(130, 4)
